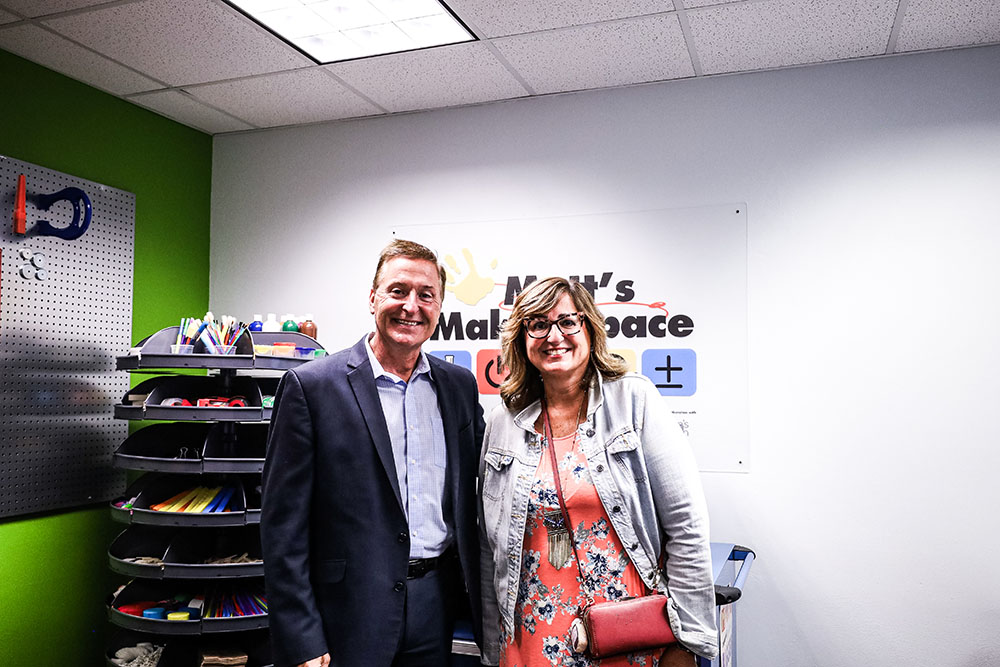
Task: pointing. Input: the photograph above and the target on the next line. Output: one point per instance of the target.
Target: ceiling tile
(181, 41)
(935, 24)
(775, 33)
(607, 54)
(431, 78)
(690, 4)
(34, 8)
(184, 109)
(513, 17)
(41, 46)
(289, 98)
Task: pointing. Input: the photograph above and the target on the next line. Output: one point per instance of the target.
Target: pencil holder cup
(223, 349)
(181, 349)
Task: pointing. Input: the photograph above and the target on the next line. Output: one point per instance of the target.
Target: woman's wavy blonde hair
(523, 385)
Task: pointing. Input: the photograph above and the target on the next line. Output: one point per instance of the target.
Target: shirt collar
(423, 366)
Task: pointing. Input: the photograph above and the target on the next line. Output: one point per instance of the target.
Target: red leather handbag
(624, 626)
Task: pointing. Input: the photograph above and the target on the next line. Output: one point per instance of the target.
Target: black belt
(418, 567)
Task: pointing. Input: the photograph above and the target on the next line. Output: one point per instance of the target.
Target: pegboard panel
(65, 314)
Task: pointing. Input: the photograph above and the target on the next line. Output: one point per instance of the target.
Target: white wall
(873, 280)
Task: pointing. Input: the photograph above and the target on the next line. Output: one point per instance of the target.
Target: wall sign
(670, 283)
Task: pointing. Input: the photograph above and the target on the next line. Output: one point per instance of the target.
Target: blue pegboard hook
(78, 227)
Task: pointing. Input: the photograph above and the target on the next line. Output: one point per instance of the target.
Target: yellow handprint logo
(470, 289)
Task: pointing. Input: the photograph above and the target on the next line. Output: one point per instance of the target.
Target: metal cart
(730, 567)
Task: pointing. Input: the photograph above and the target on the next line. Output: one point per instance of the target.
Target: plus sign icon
(674, 372)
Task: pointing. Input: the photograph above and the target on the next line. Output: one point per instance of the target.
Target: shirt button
(634, 546)
(616, 509)
(399, 586)
(600, 467)
(590, 433)
(402, 538)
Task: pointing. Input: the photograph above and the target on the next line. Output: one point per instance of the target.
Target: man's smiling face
(406, 303)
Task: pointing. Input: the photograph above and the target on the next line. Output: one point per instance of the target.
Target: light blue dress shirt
(416, 431)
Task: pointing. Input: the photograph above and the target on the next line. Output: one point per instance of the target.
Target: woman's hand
(322, 661)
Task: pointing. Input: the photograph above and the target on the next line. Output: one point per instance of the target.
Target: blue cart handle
(730, 594)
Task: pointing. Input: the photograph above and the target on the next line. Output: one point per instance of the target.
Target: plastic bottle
(308, 327)
(271, 323)
(289, 323)
(257, 324)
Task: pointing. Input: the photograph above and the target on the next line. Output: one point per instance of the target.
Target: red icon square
(489, 371)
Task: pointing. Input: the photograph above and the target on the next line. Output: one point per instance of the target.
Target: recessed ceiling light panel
(334, 30)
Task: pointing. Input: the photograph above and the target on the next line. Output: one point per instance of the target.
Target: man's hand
(322, 661)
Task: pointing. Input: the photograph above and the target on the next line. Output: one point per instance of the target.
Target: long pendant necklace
(556, 521)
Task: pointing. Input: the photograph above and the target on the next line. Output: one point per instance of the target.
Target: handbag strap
(660, 564)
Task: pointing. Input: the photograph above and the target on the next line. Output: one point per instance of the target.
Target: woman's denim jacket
(647, 480)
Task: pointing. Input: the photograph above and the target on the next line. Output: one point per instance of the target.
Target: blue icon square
(459, 357)
(674, 372)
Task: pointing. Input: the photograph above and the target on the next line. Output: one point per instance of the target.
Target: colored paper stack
(231, 604)
(200, 499)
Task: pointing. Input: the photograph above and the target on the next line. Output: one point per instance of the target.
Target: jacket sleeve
(287, 490)
(683, 516)
(491, 610)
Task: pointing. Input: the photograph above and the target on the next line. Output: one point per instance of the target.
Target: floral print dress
(549, 599)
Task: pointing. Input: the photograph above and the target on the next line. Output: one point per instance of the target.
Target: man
(368, 522)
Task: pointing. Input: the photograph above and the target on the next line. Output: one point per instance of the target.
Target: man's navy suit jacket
(333, 529)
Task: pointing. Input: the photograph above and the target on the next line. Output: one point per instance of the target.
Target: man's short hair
(410, 250)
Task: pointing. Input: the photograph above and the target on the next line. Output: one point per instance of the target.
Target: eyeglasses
(569, 324)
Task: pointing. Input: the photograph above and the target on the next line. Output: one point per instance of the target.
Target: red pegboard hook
(20, 215)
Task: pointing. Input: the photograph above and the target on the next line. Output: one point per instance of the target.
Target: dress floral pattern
(549, 599)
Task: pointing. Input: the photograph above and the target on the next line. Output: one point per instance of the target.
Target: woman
(628, 482)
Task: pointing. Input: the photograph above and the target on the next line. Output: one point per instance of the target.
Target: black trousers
(429, 620)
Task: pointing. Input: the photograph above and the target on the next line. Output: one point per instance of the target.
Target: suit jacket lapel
(363, 385)
(450, 425)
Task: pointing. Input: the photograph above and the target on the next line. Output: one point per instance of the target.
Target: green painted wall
(53, 568)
